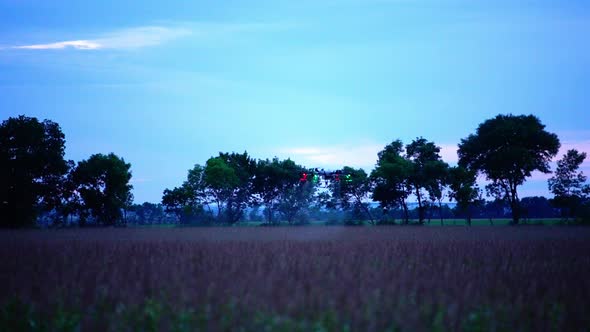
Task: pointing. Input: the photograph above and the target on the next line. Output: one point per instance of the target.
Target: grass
(296, 279)
(436, 222)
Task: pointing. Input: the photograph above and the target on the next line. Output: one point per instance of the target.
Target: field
(529, 278)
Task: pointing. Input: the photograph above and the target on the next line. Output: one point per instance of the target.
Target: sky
(167, 85)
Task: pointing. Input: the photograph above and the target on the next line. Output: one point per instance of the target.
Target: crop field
(529, 278)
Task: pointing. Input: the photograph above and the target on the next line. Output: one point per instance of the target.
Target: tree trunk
(441, 213)
(515, 207)
(420, 211)
(368, 212)
(406, 214)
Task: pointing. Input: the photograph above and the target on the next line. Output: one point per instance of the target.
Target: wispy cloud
(363, 155)
(146, 36)
(122, 39)
(78, 44)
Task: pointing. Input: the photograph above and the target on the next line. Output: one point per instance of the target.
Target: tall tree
(426, 161)
(507, 149)
(437, 173)
(229, 181)
(103, 184)
(31, 162)
(464, 190)
(179, 201)
(272, 181)
(297, 199)
(62, 197)
(569, 184)
(352, 191)
(391, 178)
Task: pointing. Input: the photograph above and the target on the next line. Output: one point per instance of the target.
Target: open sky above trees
(328, 84)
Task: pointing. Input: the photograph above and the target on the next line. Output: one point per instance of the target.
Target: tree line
(231, 187)
(35, 178)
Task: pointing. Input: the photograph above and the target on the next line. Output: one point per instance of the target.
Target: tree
(63, 200)
(31, 161)
(103, 184)
(272, 181)
(507, 149)
(464, 190)
(437, 175)
(177, 201)
(537, 207)
(425, 159)
(295, 200)
(352, 191)
(391, 178)
(147, 213)
(228, 179)
(569, 185)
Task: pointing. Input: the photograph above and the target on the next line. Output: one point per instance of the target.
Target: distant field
(296, 279)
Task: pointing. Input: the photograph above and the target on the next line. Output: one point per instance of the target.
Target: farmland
(528, 278)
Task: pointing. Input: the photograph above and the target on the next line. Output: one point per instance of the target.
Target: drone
(316, 175)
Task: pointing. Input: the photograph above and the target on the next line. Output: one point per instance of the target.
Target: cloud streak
(361, 156)
(147, 36)
(132, 38)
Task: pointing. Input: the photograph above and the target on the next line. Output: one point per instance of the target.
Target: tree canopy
(103, 184)
(31, 164)
(507, 149)
(569, 184)
(391, 178)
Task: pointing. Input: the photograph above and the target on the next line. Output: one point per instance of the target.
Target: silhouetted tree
(391, 178)
(537, 207)
(464, 190)
(273, 181)
(64, 200)
(148, 213)
(31, 164)
(103, 184)
(426, 162)
(507, 149)
(229, 181)
(569, 185)
(297, 201)
(437, 175)
(352, 191)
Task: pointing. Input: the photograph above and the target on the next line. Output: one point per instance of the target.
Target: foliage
(274, 182)
(507, 149)
(428, 171)
(148, 213)
(102, 182)
(229, 181)
(352, 192)
(296, 201)
(31, 164)
(391, 178)
(464, 190)
(569, 185)
(537, 207)
(187, 202)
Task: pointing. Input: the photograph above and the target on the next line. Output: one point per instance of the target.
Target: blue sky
(328, 83)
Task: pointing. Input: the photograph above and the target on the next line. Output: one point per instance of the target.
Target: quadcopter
(316, 175)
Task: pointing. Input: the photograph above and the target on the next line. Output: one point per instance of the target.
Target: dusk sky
(168, 84)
